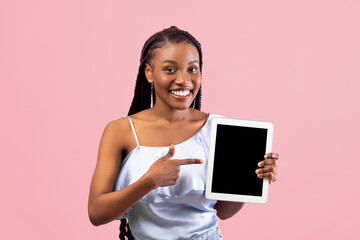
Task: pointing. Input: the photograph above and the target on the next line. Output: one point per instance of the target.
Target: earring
(152, 94)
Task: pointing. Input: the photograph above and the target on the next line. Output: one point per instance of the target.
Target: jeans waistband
(212, 234)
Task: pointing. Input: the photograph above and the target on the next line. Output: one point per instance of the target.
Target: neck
(171, 115)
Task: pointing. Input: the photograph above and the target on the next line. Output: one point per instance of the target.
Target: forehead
(179, 52)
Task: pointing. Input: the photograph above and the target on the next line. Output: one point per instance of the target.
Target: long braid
(128, 233)
(144, 92)
(123, 232)
(122, 229)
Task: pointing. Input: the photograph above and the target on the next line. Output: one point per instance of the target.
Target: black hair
(144, 91)
(125, 230)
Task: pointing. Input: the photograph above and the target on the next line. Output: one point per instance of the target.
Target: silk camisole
(180, 211)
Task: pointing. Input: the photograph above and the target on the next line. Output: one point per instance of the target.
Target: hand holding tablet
(269, 167)
(236, 148)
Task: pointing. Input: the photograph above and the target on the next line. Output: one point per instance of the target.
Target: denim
(212, 234)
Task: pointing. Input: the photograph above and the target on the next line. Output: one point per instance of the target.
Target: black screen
(237, 153)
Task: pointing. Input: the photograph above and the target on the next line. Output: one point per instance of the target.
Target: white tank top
(180, 211)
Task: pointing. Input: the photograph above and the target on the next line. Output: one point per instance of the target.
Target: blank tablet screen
(237, 153)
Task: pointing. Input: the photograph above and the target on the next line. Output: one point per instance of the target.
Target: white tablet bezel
(234, 197)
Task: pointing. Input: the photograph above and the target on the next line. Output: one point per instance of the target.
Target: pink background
(69, 67)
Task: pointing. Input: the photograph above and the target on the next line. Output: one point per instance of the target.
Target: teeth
(181, 93)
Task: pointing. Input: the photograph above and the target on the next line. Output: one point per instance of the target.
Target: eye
(192, 69)
(170, 70)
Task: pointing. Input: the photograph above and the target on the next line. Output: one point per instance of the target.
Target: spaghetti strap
(120, 117)
(132, 126)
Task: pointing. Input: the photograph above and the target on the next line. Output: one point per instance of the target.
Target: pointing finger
(188, 161)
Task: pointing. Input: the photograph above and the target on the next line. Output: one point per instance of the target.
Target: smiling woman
(165, 39)
(139, 175)
(174, 71)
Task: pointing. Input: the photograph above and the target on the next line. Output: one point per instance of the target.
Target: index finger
(188, 161)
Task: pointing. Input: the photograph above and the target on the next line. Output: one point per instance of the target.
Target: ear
(148, 73)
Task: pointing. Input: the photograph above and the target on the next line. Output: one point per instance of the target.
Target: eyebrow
(173, 62)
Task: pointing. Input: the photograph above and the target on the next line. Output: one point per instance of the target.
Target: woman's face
(175, 73)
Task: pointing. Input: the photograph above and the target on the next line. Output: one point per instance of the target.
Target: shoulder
(118, 124)
(199, 115)
(144, 114)
(119, 129)
(218, 115)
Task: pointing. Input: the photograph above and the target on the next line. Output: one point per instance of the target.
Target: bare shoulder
(199, 115)
(120, 129)
(112, 145)
(119, 123)
(142, 115)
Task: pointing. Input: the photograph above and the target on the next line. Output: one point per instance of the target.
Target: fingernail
(257, 171)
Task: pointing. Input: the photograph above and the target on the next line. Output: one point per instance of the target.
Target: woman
(152, 163)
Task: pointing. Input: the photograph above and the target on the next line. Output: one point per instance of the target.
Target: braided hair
(144, 92)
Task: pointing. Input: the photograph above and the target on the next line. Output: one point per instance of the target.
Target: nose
(182, 78)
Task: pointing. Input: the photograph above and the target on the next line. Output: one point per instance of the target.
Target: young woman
(151, 165)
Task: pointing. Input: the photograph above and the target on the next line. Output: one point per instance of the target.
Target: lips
(181, 94)
(181, 89)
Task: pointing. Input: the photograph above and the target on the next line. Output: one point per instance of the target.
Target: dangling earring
(152, 93)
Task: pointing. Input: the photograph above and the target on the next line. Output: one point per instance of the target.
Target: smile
(183, 93)
(180, 95)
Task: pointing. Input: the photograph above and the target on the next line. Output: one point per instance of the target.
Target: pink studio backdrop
(68, 67)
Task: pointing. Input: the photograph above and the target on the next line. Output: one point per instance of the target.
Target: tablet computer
(236, 147)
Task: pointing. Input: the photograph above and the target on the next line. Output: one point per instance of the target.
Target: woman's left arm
(267, 169)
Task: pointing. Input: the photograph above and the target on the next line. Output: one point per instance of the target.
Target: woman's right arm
(104, 205)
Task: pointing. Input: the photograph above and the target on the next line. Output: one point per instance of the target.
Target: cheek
(198, 81)
(162, 81)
